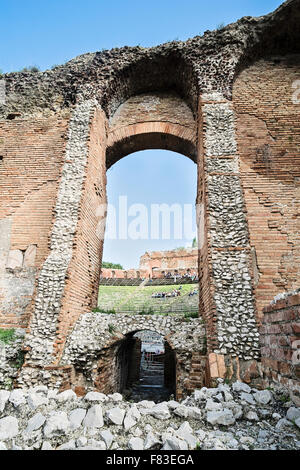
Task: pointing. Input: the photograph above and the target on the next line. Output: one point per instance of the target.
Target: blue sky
(47, 33)
(150, 177)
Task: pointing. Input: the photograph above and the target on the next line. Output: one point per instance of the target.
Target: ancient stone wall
(159, 263)
(51, 282)
(268, 136)
(231, 313)
(181, 261)
(30, 168)
(100, 336)
(224, 100)
(280, 343)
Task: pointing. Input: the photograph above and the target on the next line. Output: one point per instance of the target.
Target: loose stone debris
(227, 417)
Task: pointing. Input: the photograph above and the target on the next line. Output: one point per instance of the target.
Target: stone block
(29, 256)
(14, 259)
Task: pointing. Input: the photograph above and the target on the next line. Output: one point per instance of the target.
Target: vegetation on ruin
(31, 68)
(150, 311)
(7, 335)
(108, 265)
(20, 359)
(101, 310)
(191, 315)
(111, 328)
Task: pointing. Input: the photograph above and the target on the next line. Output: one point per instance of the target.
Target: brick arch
(86, 94)
(150, 135)
(96, 338)
(152, 120)
(138, 324)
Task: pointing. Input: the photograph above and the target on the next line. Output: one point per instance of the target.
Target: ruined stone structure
(157, 264)
(160, 263)
(229, 101)
(280, 339)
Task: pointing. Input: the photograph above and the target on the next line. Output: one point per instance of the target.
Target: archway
(102, 350)
(146, 366)
(122, 101)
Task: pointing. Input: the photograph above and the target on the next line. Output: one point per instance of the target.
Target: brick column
(230, 311)
(51, 287)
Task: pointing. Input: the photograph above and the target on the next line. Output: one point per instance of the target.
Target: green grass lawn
(136, 299)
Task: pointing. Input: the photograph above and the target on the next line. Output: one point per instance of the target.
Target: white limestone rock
(174, 443)
(9, 428)
(181, 410)
(241, 387)
(35, 400)
(224, 417)
(211, 405)
(57, 424)
(94, 417)
(136, 443)
(81, 441)
(116, 397)
(146, 404)
(4, 396)
(46, 446)
(17, 397)
(96, 397)
(185, 432)
(194, 412)
(283, 425)
(172, 404)
(116, 415)
(70, 445)
(107, 437)
(93, 444)
(247, 397)
(293, 413)
(251, 415)
(151, 441)
(76, 417)
(161, 411)
(36, 422)
(263, 397)
(67, 395)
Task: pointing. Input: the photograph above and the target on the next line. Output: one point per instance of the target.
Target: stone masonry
(226, 100)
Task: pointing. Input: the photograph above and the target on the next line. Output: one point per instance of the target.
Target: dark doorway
(147, 367)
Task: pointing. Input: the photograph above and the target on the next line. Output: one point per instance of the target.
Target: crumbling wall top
(201, 64)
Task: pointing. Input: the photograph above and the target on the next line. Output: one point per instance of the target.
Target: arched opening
(146, 366)
(157, 280)
(166, 122)
(152, 122)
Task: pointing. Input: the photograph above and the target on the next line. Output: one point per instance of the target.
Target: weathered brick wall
(151, 121)
(280, 343)
(158, 106)
(268, 134)
(207, 309)
(81, 290)
(30, 167)
(132, 86)
(159, 262)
